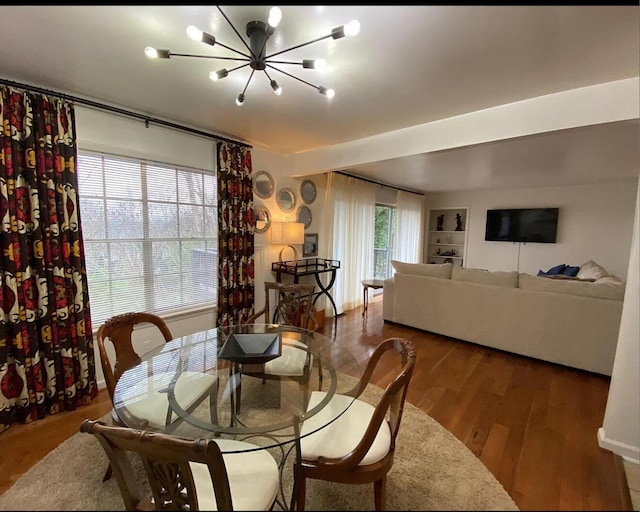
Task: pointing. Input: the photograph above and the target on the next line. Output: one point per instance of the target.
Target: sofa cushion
(476, 275)
(603, 290)
(591, 270)
(571, 271)
(442, 270)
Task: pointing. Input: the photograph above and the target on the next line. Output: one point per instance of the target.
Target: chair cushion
(340, 437)
(147, 399)
(292, 360)
(253, 477)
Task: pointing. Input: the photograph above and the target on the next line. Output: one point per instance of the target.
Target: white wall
(620, 432)
(595, 222)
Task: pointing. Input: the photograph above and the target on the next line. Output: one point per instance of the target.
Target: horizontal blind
(150, 235)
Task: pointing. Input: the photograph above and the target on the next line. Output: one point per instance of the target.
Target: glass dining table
(258, 379)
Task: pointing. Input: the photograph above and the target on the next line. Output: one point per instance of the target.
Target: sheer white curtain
(349, 227)
(408, 240)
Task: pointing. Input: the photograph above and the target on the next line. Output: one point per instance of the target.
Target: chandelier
(258, 33)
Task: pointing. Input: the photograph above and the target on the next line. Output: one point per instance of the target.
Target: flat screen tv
(522, 225)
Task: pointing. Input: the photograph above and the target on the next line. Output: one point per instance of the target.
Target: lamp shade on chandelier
(258, 58)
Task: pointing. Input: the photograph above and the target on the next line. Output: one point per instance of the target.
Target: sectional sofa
(571, 322)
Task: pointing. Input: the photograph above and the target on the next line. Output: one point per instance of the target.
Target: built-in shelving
(447, 235)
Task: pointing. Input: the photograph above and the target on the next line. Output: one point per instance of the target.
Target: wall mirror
(308, 191)
(286, 199)
(263, 184)
(304, 216)
(263, 218)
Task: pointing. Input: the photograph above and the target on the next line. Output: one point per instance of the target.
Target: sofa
(570, 321)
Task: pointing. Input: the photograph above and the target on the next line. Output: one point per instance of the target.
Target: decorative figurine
(440, 222)
(458, 222)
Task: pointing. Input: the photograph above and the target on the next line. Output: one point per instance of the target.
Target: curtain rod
(378, 182)
(103, 106)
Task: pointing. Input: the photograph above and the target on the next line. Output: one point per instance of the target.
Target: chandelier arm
(250, 77)
(316, 87)
(298, 46)
(234, 29)
(248, 57)
(286, 62)
(208, 56)
(239, 67)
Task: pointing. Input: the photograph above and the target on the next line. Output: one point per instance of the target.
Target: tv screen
(522, 225)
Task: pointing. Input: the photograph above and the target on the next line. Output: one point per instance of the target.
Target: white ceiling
(408, 66)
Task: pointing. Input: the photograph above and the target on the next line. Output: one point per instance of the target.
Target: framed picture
(310, 247)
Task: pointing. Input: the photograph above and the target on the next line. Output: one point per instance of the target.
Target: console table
(308, 267)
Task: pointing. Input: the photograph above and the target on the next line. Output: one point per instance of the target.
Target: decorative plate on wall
(308, 191)
(263, 218)
(304, 216)
(263, 184)
(286, 199)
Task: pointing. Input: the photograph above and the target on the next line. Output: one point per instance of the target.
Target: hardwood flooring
(533, 424)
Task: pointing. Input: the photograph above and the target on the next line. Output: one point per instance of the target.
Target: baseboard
(629, 452)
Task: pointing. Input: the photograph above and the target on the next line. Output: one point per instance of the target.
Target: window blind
(150, 235)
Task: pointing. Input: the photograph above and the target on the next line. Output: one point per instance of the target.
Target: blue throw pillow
(571, 271)
(558, 269)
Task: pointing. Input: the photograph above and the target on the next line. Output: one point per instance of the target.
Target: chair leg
(107, 473)
(300, 490)
(379, 493)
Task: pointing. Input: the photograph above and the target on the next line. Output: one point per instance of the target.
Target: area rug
(433, 470)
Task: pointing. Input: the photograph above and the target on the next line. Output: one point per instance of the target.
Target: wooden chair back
(166, 460)
(119, 330)
(391, 404)
(389, 407)
(288, 304)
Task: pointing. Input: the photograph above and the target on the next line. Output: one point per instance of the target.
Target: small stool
(366, 284)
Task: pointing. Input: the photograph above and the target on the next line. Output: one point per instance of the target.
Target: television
(522, 225)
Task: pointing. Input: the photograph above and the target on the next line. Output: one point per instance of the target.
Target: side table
(366, 284)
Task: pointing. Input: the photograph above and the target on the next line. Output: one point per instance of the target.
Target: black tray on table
(251, 348)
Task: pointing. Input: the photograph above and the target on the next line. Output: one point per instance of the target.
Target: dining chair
(145, 398)
(187, 474)
(286, 304)
(358, 447)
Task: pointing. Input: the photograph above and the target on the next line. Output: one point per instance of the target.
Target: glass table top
(249, 382)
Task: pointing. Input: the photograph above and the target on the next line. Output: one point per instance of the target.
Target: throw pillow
(591, 270)
(571, 271)
(558, 269)
(441, 270)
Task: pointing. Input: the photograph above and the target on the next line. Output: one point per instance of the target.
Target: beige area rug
(432, 470)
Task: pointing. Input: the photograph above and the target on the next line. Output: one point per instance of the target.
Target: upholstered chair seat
(147, 399)
(342, 435)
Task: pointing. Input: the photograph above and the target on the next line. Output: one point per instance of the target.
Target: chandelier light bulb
(276, 88)
(240, 100)
(275, 15)
(218, 75)
(329, 93)
(320, 64)
(151, 53)
(194, 33)
(352, 28)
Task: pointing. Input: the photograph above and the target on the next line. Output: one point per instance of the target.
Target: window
(150, 235)
(385, 224)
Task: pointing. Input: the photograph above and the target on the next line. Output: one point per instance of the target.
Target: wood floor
(533, 424)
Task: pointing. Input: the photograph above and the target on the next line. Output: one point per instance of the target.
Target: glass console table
(308, 267)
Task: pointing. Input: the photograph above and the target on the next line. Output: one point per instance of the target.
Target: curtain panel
(349, 225)
(236, 225)
(409, 234)
(46, 345)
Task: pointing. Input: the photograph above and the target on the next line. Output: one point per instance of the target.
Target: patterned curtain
(236, 224)
(46, 345)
